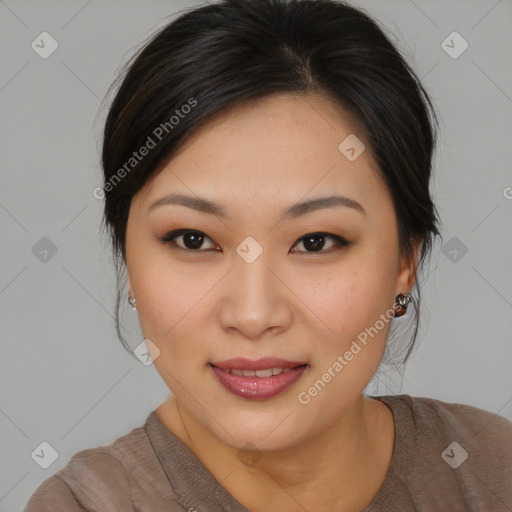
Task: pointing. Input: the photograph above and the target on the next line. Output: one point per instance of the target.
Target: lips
(258, 379)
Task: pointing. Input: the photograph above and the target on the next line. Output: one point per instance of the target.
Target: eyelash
(341, 242)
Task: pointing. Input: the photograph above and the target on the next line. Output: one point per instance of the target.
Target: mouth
(258, 380)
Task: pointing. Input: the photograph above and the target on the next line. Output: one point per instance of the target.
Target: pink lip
(258, 388)
(241, 363)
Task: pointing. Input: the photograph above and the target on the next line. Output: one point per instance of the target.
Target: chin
(271, 431)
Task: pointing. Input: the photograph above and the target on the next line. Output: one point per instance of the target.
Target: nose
(255, 303)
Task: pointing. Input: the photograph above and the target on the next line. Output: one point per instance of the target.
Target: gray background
(65, 378)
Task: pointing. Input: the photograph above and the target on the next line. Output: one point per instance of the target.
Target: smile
(269, 372)
(258, 384)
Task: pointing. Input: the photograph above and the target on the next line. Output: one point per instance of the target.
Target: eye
(192, 240)
(316, 242)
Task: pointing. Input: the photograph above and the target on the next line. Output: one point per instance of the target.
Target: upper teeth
(260, 373)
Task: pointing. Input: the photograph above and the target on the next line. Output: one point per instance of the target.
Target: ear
(406, 276)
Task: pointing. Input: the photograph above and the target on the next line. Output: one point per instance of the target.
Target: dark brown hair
(225, 54)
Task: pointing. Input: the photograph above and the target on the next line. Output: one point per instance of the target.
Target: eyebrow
(294, 211)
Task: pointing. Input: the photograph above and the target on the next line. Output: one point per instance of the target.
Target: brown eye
(191, 240)
(315, 242)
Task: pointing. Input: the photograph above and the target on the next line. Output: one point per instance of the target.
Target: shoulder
(437, 414)
(465, 451)
(93, 476)
(462, 420)
(436, 420)
(102, 478)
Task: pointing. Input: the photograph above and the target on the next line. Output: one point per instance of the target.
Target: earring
(401, 302)
(131, 300)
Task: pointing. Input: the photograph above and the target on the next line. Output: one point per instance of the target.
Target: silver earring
(401, 302)
(131, 300)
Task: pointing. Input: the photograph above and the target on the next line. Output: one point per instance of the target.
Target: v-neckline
(196, 487)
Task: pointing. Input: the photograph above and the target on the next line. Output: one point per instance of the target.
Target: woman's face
(246, 281)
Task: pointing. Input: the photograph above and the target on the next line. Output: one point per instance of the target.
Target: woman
(267, 168)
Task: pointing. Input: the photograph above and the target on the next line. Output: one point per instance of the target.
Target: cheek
(357, 317)
(349, 297)
(354, 303)
(344, 363)
(171, 305)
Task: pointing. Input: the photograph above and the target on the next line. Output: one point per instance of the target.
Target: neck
(345, 465)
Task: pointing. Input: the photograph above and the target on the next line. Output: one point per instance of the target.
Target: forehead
(277, 149)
